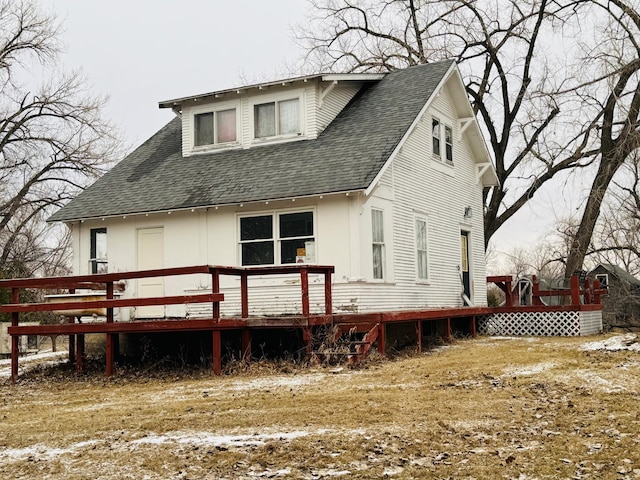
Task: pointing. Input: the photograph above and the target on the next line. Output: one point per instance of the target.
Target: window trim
(282, 97)
(442, 155)
(277, 239)
(606, 276)
(382, 244)
(94, 260)
(425, 220)
(215, 110)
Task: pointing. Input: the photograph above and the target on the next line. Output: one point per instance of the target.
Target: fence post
(575, 290)
(304, 280)
(328, 296)
(215, 288)
(110, 337)
(244, 294)
(15, 339)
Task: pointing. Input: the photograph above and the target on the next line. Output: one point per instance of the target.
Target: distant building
(621, 305)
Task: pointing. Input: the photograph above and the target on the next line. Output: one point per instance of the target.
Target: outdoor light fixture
(468, 213)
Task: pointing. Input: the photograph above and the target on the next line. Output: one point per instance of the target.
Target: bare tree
(551, 81)
(618, 118)
(53, 138)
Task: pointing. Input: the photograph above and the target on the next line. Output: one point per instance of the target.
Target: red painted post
(419, 335)
(304, 281)
(575, 290)
(72, 338)
(246, 344)
(244, 294)
(215, 288)
(217, 352)
(110, 337)
(596, 296)
(508, 294)
(588, 291)
(80, 354)
(473, 326)
(535, 291)
(110, 349)
(448, 327)
(328, 296)
(15, 339)
(382, 340)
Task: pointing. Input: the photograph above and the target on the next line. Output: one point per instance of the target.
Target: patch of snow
(42, 452)
(208, 439)
(44, 358)
(271, 473)
(629, 341)
(602, 384)
(277, 382)
(393, 471)
(530, 370)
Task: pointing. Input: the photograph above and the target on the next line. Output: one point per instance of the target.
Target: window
(98, 253)
(603, 278)
(277, 239)
(438, 131)
(421, 249)
(215, 127)
(435, 136)
(277, 118)
(377, 238)
(448, 142)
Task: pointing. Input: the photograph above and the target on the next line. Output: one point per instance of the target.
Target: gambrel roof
(347, 156)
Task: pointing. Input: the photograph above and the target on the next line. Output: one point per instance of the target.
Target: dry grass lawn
(481, 408)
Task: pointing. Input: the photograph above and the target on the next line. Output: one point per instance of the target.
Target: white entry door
(150, 256)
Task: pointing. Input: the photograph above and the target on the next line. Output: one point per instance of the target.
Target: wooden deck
(373, 326)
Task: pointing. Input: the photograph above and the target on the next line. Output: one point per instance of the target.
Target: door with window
(150, 256)
(464, 267)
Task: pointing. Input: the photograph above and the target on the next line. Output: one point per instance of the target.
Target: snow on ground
(629, 341)
(529, 370)
(42, 358)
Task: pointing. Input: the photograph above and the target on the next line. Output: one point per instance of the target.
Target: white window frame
(606, 279)
(215, 110)
(97, 263)
(276, 237)
(423, 219)
(443, 126)
(378, 243)
(283, 97)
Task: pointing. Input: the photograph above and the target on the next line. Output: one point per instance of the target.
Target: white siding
(332, 104)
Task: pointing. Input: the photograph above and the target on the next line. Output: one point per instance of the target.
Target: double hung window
(274, 239)
(277, 118)
(440, 149)
(377, 240)
(421, 249)
(98, 250)
(215, 127)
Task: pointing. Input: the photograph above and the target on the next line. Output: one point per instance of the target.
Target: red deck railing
(111, 282)
(589, 293)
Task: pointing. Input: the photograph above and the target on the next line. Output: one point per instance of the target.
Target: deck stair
(347, 342)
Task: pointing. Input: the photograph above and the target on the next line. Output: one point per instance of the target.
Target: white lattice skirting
(560, 323)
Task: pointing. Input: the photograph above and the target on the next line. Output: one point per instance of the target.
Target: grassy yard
(483, 408)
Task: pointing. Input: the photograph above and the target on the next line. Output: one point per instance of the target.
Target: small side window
(435, 137)
(98, 252)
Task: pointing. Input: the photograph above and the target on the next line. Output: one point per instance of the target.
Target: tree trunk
(608, 167)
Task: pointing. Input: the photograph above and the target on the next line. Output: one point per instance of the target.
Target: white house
(380, 175)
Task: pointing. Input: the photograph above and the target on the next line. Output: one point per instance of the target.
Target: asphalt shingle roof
(346, 156)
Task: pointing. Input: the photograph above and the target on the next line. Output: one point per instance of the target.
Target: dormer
(275, 112)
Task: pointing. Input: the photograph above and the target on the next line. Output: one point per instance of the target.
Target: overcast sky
(141, 52)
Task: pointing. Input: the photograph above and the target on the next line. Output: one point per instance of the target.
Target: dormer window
(215, 127)
(277, 118)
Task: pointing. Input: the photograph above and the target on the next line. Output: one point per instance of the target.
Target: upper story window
(279, 238)
(98, 250)
(280, 117)
(215, 127)
(604, 280)
(439, 132)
